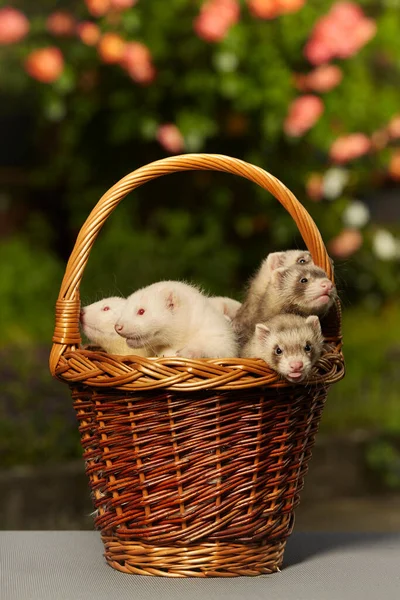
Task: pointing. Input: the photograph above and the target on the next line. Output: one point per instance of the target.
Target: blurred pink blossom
(323, 79)
(289, 6)
(137, 61)
(215, 19)
(170, 138)
(303, 113)
(264, 9)
(13, 26)
(45, 64)
(341, 33)
(98, 8)
(88, 32)
(61, 23)
(111, 48)
(314, 186)
(349, 147)
(346, 243)
(123, 4)
(394, 127)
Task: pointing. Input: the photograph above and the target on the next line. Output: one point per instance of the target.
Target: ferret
(244, 318)
(290, 344)
(98, 323)
(227, 306)
(170, 318)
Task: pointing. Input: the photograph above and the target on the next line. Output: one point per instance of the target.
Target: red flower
(13, 26)
(349, 147)
(89, 33)
(303, 113)
(61, 23)
(170, 138)
(137, 61)
(215, 19)
(264, 9)
(45, 64)
(111, 48)
(322, 79)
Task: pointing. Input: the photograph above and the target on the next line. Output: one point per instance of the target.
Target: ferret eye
(302, 261)
(307, 348)
(278, 350)
(105, 308)
(303, 280)
(141, 311)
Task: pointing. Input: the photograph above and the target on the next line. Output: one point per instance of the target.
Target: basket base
(203, 560)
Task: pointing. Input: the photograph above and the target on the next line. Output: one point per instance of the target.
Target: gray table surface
(69, 565)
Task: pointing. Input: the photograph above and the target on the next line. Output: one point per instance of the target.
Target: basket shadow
(304, 545)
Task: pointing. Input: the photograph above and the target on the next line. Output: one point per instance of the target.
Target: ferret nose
(296, 365)
(118, 328)
(326, 285)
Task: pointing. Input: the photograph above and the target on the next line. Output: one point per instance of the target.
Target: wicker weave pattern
(195, 466)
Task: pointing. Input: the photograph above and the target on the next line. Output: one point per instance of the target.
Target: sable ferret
(290, 344)
(171, 318)
(98, 322)
(244, 318)
(302, 290)
(227, 306)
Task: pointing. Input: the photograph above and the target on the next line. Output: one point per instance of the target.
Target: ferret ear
(278, 274)
(313, 320)
(275, 260)
(171, 300)
(262, 331)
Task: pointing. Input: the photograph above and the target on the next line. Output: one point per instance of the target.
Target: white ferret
(244, 317)
(227, 306)
(98, 323)
(170, 318)
(290, 344)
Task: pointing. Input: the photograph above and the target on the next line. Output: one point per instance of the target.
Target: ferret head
(98, 319)
(302, 289)
(291, 348)
(152, 316)
(275, 260)
(227, 306)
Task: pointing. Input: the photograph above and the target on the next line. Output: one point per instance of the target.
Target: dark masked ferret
(171, 318)
(290, 344)
(259, 283)
(98, 321)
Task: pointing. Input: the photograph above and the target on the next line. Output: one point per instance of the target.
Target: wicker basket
(195, 466)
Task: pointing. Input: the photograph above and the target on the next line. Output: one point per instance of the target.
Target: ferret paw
(190, 353)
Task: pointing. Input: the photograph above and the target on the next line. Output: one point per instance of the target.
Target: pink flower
(290, 6)
(314, 186)
(264, 9)
(303, 113)
(170, 138)
(111, 48)
(45, 64)
(348, 13)
(137, 61)
(349, 147)
(322, 79)
(61, 23)
(230, 9)
(317, 52)
(394, 127)
(346, 243)
(123, 4)
(215, 19)
(98, 8)
(13, 26)
(88, 32)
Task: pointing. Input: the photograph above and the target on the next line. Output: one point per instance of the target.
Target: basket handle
(66, 332)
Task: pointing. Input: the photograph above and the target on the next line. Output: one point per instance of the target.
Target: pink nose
(296, 365)
(326, 285)
(118, 328)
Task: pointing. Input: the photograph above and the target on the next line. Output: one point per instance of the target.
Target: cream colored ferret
(227, 306)
(98, 323)
(170, 318)
(290, 344)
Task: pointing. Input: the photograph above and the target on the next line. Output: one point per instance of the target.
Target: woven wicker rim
(71, 364)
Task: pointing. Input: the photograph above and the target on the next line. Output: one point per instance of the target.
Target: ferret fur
(244, 319)
(290, 344)
(98, 323)
(227, 306)
(170, 318)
